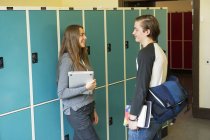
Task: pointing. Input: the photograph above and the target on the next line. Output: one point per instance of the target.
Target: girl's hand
(91, 85)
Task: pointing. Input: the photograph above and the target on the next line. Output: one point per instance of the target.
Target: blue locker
(69, 18)
(43, 29)
(116, 112)
(14, 75)
(161, 15)
(132, 48)
(94, 28)
(47, 121)
(100, 99)
(114, 19)
(16, 126)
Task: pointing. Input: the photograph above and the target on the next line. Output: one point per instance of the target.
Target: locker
(43, 31)
(69, 18)
(100, 99)
(161, 16)
(16, 126)
(94, 28)
(147, 11)
(130, 90)
(131, 47)
(114, 20)
(116, 112)
(47, 121)
(14, 83)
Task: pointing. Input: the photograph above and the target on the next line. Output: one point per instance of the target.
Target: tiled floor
(186, 127)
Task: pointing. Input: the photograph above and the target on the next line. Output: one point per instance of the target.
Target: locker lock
(126, 44)
(88, 50)
(34, 57)
(110, 121)
(1, 62)
(109, 47)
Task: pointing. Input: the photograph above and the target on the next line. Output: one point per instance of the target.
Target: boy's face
(139, 34)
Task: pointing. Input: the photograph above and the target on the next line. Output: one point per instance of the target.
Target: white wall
(176, 6)
(204, 55)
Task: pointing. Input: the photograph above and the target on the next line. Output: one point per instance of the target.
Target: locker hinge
(1, 63)
(71, 8)
(9, 8)
(43, 8)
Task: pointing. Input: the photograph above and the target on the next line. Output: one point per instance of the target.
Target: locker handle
(126, 44)
(1, 62)
(109, 47)
(34, 57)
(88, 50)
(110, 121)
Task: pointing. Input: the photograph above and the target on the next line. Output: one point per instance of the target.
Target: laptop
(80, 78)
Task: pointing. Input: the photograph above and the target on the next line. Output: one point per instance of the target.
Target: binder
(144, 116)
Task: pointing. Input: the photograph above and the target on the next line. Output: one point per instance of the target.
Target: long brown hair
(70, 45)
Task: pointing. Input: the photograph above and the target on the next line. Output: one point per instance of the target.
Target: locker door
(47, 121)
(114, 20)
(94, 28)
(14, 83)
(147, 11)
(130, 90)
(161, 15)
(131, 46)
(69, 18)
(43, 29)
(100, 99)
(16, 126)
(116, 112)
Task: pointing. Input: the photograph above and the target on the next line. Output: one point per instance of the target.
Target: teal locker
(114, 19)
(94, 28)
(132, 48)
(161, 15)
(47, 121)
(69, 18)
(130, 90)
(147, 11)
(43, 29)
(116, 112)
(14, 83)
(68, 130)
(16, 126)
(100, 99)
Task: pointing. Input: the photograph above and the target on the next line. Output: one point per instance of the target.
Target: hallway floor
(186, 127)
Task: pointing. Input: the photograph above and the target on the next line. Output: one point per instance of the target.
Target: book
(143, 118)
(80, 78)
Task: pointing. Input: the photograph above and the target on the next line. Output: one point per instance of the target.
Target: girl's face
(82, 38)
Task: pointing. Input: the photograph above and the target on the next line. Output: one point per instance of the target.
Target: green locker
(14, 83)
(100, 99)
(130, 90)
(114, 20)
(47, 121)
(94, 28)
(161, 15)
(147, 11)
(43, 31)
(116, 112)
(69, 17)
(16, 126)
(132, 48)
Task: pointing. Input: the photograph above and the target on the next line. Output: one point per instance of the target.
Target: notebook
(144, 116)
(80, 78)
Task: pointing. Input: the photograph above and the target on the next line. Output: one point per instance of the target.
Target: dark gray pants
(81, 121)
